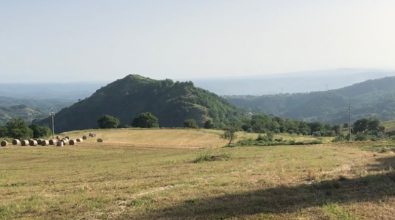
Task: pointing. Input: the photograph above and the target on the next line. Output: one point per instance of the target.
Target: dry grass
(156, 138)
(154, 177)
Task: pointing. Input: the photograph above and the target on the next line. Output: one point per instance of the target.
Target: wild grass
(207, 157)
(150, 174)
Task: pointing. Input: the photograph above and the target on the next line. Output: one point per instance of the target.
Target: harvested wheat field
(188, 174)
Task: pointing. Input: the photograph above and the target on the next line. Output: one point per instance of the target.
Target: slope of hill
(372, 98)
(172, 102)
(19, 111)
(28, 109)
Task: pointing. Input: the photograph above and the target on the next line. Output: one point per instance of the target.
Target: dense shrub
(190, 123)
(145, 120)
(108, 121)
(17, 128)
(40, 131)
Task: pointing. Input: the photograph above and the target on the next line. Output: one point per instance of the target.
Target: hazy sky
(80, 40)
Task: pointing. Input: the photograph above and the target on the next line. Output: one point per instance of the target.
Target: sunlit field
(186, 173)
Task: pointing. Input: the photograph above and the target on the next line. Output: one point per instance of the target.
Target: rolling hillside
(28, 109)
(372, 98)
(172, 102)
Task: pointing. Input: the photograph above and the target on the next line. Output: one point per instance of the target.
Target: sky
(96, 40)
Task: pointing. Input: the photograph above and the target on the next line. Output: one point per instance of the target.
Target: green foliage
(171, 102)
(367, 126)
(373, 97)
(264, 140)
(230, 134)
(108, 121)
(40, 131)
(263, 124)
(17, 128)
(190, 123)
(209, 124)
(145, 120)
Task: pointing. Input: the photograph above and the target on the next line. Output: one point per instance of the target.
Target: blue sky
(103, 40)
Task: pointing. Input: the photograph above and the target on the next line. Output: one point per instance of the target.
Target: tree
(108, 121)
(209, 124)
(190, 123)
(3, 131)
(337, 129)
(230, 134)
(40, 131)
(145, 120)
(17, 128)
(367, 126)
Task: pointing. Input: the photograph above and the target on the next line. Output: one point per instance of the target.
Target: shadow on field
(288, 199)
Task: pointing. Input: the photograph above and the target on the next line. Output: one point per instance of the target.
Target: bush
(209, 124)
(190, 123)
(17, 128)
(40, 131)
(361, 137)
(108, 121)
(145, 120)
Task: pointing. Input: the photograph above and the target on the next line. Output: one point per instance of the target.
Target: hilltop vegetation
(171, 102)
(373, 98)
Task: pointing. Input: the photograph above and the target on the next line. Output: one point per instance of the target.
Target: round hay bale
(84, 137)
(100, 140)
(60, 144)
(33, 143)
(79, 139)
(44, 143)
(53, 142)
(92, 135)
(4, 143)
(72, 142)
(25, 143)
(16, 142)
(67, 137)
(39, 141)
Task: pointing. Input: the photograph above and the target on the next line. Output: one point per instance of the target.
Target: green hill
(172, 102)
(372, 98)
(28, 109)
(19, 111)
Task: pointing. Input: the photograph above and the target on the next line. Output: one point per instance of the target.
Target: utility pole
(349, 121)
(52, 114)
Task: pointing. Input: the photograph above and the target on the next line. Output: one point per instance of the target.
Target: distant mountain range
(298, 82)
(372, 98)
(172, 102)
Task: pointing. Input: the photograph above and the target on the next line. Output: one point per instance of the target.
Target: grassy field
(178, 174)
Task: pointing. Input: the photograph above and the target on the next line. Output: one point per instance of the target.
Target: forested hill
(172, 102)
(372, 98)
(29, 109)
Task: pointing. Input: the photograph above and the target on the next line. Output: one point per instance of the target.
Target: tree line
(19, 129)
